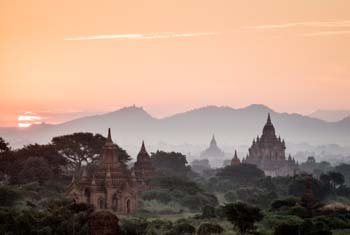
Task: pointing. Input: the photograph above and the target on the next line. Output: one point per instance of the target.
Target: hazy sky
(67, 57)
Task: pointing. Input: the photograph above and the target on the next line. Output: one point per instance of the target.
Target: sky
(69, 58)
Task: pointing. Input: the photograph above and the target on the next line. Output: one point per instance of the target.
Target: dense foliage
(170, 163)
(243, 216)
(33, 180)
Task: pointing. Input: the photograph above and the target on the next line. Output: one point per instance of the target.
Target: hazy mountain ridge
(131, 125)
(331, 115)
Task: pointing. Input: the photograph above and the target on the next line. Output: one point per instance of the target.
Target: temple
(213, 151)
(143, 168)
(235, 160)
(268, 153)
(112, 185)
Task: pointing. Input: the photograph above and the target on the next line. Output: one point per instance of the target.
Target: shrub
(209, 228)
(133, 226)
(208, 212)
(160, 196)
(287, 202)
(8, 196)
(184, 229)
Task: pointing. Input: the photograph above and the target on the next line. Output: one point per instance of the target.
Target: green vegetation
(228, 201)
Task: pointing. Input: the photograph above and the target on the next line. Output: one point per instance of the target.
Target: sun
(28, 119)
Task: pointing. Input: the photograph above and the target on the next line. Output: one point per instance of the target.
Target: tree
(297, 187)
(35, 169)
(83, 148)
(243, 216)
(184, 228)
(208, 212)
(245, 173)
(47, 152)
(173, 163)
(284, 203)
(209, 228)
(344, 169)
(337, 179)
(5, 161)
(4, 146)
(8, 196)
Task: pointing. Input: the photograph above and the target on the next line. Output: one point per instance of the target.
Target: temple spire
(235, 160)
(269, 119)
(143, 152)
(213, 141)
(109, 137)
(143, 148)
(235, 154)
(269, 129)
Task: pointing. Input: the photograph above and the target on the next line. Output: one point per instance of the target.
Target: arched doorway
(101, 203)
(87, 195)
(114, 202)
(128, 206)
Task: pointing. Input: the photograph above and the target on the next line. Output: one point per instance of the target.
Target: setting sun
(28, 119)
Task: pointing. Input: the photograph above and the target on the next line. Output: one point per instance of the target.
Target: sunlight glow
(28, 119)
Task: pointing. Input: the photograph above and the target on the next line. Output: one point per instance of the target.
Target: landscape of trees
(231, 200)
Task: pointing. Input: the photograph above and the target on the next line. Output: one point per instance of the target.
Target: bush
(159, 227)
(209, 228)
(8, 196)
(287, 229)
(287, 202)
(160, 196)
(231, 196)
(208, 212)
(184, 229)
(243, 216)
(246, 173)
(133, 226)
(275, 220)
(306, 228)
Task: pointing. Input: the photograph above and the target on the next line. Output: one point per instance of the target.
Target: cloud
(141, 36)
(325, 24)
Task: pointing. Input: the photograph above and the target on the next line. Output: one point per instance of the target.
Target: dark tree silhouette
(344, 169)
(47, 152)
(173, 163)
(4, 146)
(82, 148)
(243, 216)
(35, 169)
(245, 173)
(337, 179)
(209, 228)
(6, 160)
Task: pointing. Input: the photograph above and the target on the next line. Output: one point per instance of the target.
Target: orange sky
(293, 56)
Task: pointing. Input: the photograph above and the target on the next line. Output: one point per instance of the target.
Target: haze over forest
(190, 131)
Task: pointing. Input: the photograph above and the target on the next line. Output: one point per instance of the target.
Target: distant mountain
(331, 115)
(231, 126)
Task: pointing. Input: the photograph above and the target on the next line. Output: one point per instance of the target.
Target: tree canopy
(170, 163)
(83, 148)
(4, 146)
(243, 173)
(243, 216)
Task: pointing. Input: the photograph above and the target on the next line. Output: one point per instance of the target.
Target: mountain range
(331, 115)
(232, 127)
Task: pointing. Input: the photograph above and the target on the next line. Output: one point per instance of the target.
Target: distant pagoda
(235, 160)
(213, 151)
(268, 153)
(143, 168)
